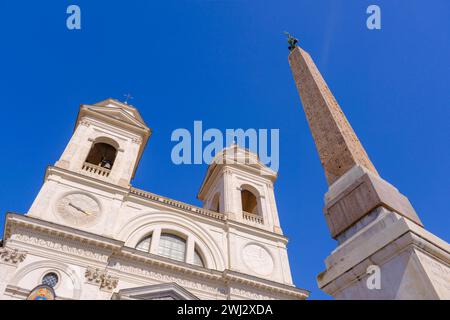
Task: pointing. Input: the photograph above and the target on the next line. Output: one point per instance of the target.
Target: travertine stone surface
(365, 213)
(338, 146)
(87, 222)
(414, 264)
(349, 201)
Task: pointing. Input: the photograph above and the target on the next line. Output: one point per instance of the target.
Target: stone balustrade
(95, 170)
(252, 217)
(177, 204)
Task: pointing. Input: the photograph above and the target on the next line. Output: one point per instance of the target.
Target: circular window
(50, 279)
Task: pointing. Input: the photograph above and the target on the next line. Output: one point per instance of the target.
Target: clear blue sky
(225, 63)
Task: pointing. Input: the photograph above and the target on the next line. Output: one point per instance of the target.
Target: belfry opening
(102, 155)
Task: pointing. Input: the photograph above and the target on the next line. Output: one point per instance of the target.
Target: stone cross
(127, 97)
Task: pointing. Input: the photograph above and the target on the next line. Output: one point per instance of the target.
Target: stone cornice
(53, 229)
(256, 231)
(270, 286)
(225, 277)
(176, 204)
(222, 277)
(159, 261)
(204, 213)
(86, 180)
(118, 252)
(22, 293)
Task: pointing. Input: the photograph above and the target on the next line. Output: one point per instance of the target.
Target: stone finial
(337, 144)
(12, 256)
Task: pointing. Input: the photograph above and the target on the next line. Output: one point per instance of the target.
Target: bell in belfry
(106, 164)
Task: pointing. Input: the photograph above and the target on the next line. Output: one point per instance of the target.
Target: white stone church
(90, 235)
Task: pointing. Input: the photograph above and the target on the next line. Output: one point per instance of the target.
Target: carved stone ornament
(101, 278)
(85, 122)
(136, 140)
(12, 256)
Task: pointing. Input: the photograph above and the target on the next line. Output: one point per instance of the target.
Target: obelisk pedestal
(411, 263)
(384, 252)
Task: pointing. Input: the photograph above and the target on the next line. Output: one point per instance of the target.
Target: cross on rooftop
(127, 97)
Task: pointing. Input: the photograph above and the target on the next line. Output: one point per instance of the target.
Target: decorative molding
(163, 291)
(136, 140)
(66, 246)
(101, 278)
(162, 277)
(36, 236)
(12, 256)
(94, 276)
(279, 291)
(177, 204)
(84, 122)
(109, 282)
(250, 295)
(22, 293)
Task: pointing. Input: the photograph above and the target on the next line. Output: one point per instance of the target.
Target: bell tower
(107, 143)
(238, 185)
(86, 186)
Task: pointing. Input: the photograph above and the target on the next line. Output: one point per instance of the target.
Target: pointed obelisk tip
(291, 41)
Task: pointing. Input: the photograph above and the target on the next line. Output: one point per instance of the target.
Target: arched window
(215, 204)
(249, 202)
(144, 244)
(172, 246)
(103, 155)
(50, 279)
(198, 260)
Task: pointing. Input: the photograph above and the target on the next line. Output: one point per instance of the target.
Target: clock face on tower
(78, 209)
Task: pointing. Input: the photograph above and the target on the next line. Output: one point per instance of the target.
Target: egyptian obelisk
(383, 251)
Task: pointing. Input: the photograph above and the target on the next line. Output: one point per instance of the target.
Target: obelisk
(383, 250)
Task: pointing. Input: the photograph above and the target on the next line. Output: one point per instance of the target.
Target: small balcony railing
(96, 170)
(252, 217)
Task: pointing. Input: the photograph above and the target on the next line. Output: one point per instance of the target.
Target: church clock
(78, 209)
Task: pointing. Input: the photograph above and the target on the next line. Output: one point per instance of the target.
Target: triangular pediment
(163, 291)
(113, 103)
(116, 113)
(117, 110)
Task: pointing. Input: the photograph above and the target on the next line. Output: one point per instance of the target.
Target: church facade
(90, 234)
